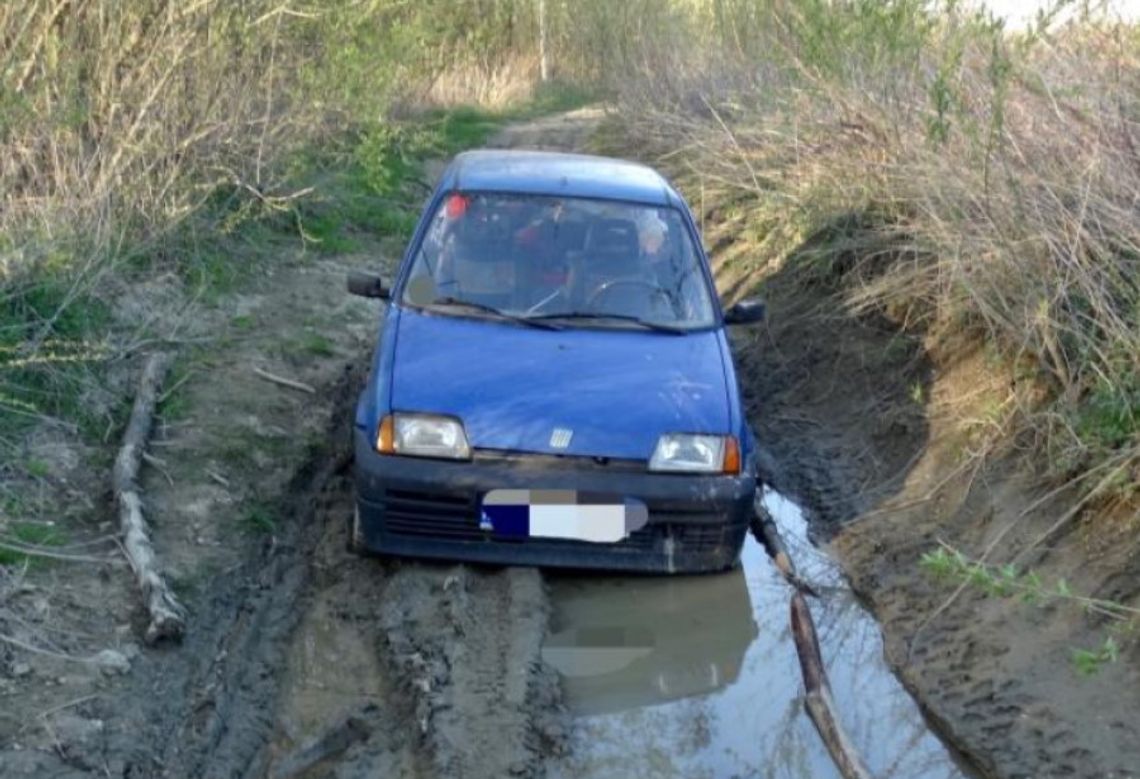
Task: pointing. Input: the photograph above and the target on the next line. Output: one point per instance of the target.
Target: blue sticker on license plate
(582, 516)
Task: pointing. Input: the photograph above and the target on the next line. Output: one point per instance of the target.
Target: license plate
(581, 516)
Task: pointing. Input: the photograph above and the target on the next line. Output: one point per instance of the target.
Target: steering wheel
(611, 284)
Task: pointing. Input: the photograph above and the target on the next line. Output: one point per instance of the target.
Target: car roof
(558, 173)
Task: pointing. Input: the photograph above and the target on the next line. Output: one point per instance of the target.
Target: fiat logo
(560, 438)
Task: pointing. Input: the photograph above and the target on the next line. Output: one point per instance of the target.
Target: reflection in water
(648, 640)
(698, 676)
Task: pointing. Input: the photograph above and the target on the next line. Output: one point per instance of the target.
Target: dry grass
(116, 109)
(119, 119)
(493, 86)
(959, 178)
(141, 134)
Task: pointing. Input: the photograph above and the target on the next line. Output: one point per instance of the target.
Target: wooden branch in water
(167, 619)
(766, 532)
(819, 703)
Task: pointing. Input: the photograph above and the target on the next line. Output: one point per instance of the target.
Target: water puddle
(698, 676)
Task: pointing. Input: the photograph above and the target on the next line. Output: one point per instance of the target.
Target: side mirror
(367, 285)
(746, 312)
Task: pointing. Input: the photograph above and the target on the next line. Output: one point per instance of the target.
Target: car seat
(612, 253)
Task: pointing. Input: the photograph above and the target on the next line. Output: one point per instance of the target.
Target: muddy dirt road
(304, 661)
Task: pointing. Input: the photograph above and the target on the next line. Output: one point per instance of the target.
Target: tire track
(467, 641)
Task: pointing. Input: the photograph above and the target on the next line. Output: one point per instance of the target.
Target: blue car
(553, 383)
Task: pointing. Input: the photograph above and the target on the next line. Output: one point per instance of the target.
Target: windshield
(596, 263)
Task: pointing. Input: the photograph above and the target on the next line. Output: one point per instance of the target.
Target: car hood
(616, 390)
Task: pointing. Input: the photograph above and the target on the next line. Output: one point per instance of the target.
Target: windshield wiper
(529, 321)
(647, 324)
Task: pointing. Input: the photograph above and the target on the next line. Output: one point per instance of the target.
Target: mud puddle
(698, 676)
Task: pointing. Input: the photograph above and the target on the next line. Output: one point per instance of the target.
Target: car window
(550, 257)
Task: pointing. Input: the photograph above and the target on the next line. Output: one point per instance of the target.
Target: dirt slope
(866, 427)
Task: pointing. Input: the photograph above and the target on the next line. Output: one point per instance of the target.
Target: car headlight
(423, 435)
(695, 453)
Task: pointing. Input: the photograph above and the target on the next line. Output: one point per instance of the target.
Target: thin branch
(284, 382)
(32, 550)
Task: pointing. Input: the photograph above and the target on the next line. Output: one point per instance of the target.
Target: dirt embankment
(880, 437)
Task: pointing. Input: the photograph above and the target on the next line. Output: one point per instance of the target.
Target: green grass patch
(311, 343)
(553, 97)
(325, 231)
(1010, 582)
(220, 251)
(174, 404)
(243, 322)
(463, 128)
(1089, 662)
(51, 348)
(36, 468)
(370, 184)
(258, 519)
(176, 407)
(1110, 417)
(50, 308)
(29, 534)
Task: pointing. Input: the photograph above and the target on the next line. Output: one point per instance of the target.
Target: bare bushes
(494, 85)
(115, 109)
(117, 121)
(962, 177)
(125, 116)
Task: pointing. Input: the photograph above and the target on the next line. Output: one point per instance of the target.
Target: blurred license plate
(582, 516)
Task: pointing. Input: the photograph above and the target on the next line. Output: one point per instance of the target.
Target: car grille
(430, 514)
(455, 517)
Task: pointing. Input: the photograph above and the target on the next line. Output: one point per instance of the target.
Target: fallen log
(766, 532)
(167, 620)
(819, 703)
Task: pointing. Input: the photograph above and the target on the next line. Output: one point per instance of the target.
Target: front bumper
(419, 507)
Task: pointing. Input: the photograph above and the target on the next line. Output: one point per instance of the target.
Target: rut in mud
(436, 662)
(697, 676)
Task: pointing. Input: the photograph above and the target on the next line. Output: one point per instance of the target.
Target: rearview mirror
(745, 312)
(367, 285)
